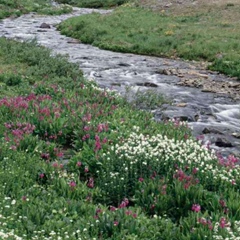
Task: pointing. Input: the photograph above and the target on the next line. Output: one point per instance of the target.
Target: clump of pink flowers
(72, 185)
(196, 208)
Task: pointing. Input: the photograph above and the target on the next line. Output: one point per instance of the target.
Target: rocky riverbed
(209, 101)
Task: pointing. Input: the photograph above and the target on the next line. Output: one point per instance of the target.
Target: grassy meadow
(81, 162)
(15, 8)
(206, 33)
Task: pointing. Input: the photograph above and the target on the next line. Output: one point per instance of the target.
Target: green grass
(199, 35)
(78, 161)
(15, 8)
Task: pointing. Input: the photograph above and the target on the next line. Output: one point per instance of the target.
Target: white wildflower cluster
(111, 92)
(178, 123)
(58, 235)
(230, 233)
(9, 235)
(159, 150)
(6, 233)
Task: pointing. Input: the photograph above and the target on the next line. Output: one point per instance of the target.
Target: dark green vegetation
(94, 3)
(15, 8)
(204, 34)
(80, 162)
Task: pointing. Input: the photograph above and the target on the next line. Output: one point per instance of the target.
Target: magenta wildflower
(141, 179)
(88, 198)
(41, 175)
(45, 156)
(233, 182)
(115, 223)
(24, 198)
(185, 179)
(200, 137)
(222, 203)
(90, 183)
(13, 147)
(59, 154)
(164, 187)
(196, 208)
(55, 165)
(128, 212)
(194, 171)
(226, 210)
(99, 210)
(223, 223)
(104, 140)
(152, 206)
(86, 128)
(205, 222)
(210, 226)
(124, 203)
(112, 208)
(97, 143)
(78, 164)
(72, 185)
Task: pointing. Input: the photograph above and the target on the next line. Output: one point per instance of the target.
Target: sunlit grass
(15, 8)
(200, 35)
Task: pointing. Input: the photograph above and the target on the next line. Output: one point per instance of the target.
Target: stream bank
(209, 101)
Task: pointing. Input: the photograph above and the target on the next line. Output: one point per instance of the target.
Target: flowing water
(215, 115)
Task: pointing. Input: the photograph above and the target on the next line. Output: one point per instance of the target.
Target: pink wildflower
(112, 208)
(55, 164)
(79, 164)
(124, 203)
(222, 203)
(129, 212)
(233, 182)
(90, 183)
(194, 171)
(99, 210)
(196, 208)
(45, 156)
(223, 223)
(72, 185)
(141, 179)
(24, 198)
(41, 175)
